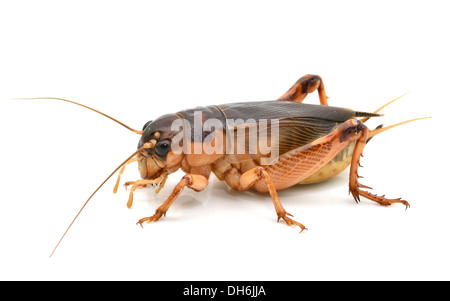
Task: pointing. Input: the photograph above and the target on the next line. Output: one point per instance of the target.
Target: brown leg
(355, 186)
(257, 173)
(296, 165)
(232, 178)
(161, 180)
(306, 84)
(196, 182)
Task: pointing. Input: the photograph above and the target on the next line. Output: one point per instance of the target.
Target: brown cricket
(312, 143)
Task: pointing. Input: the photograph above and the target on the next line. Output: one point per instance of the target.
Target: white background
(137, 60)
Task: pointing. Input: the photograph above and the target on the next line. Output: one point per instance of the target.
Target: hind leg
(354, 185)
(298, 164)
(305, 85)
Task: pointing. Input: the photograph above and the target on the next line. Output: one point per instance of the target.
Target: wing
(293, 124)
(277, 109)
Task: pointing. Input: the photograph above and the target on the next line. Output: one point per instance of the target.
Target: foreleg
(193, 181)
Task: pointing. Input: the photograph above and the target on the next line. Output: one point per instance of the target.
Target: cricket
(267, 146)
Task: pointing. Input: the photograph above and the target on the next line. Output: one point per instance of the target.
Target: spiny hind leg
(305, 85)
(298, 164)
(354, 185)
(251, 176)
(193, 181)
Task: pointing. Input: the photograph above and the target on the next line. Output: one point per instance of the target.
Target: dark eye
(163, 147)
(146, 124)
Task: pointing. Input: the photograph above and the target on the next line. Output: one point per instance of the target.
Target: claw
(155, 217)
(301, 230)
(382, 200)
(126, 184)
(290, 222)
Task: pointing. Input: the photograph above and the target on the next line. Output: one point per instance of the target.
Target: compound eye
(146, 124)
(163, 147)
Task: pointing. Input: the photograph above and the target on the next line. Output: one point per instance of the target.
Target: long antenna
(76, 103)
(146, 145)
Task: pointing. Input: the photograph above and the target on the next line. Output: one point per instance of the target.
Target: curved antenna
(146, 145)
(76, 103)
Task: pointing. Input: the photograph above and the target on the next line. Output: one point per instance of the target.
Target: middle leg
(250, 177)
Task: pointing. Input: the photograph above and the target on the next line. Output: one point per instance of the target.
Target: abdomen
(338, 164)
